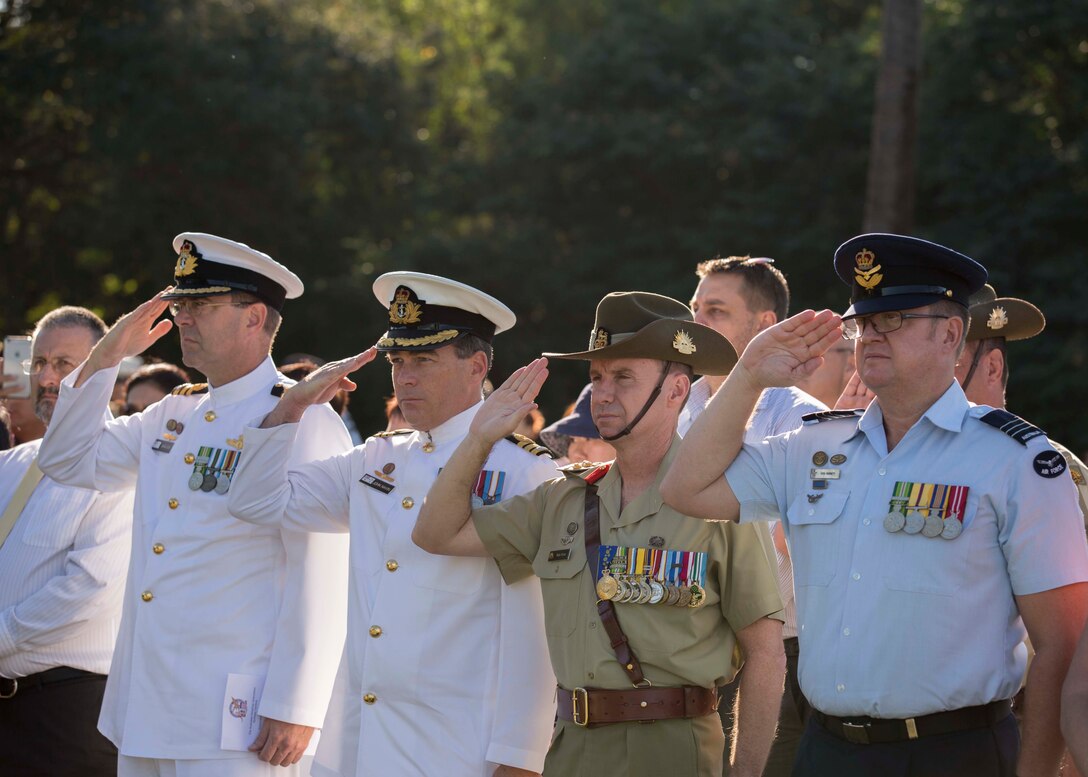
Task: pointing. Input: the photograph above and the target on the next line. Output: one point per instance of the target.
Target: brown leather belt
(871, 731)
(598, 707)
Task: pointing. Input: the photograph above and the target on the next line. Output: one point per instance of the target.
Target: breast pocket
(814, 537)
(564, 581)
(934, 565)
(55, 516)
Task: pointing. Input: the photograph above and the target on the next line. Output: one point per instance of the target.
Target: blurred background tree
(545, 152)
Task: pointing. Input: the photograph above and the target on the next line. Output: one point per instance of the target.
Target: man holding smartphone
(63, 554)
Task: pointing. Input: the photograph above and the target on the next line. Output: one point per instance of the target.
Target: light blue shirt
(899, 625)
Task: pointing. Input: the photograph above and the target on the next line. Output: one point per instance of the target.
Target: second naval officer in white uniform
(486, 706)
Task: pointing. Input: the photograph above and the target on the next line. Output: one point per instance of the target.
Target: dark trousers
(792, 715)
(51, 730)
(981, 752)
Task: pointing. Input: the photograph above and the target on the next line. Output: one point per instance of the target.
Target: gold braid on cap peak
(440, 337)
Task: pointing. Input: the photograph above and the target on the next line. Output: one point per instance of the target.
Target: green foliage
(546, 152)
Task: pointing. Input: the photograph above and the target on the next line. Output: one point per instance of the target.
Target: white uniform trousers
(130, 766)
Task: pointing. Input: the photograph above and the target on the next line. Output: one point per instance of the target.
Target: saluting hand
(318, 387)
(509, 403)
(856, 394)
(132, 334)
(791, 349)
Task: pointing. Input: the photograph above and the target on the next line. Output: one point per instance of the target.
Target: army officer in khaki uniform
(619, 568)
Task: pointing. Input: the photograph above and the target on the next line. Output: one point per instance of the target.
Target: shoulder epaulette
(531, 446)
(185, 389)
(831, 415)
(277, 390)
(1012, 425)
(589, 471)
(392, 433)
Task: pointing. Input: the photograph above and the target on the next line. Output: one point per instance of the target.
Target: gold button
(375, 631)
(189, 458)
(147, 596)
(392, 565)
(209, 416)
(407, 502)
(173, 503)
(428, 447)
(369, 698)
(158, 548)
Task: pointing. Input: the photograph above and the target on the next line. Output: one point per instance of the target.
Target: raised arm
(443, 525)
(778, 356)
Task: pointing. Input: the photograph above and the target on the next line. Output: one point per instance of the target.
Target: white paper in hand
(241, 724)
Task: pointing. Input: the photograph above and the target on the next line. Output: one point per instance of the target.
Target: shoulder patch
(392, 433)
(185, 389)
(578, 467)
(1012, 425)
(530, 446)
(831, 415)
(589, 471)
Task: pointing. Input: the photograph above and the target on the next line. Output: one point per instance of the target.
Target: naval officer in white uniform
(486, 706)
(209, 597)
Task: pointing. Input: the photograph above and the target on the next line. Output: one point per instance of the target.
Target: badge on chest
(930, 509)
(651, 576)
(213, 469)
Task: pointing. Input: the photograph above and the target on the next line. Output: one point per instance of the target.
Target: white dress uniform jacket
(61, 573)
(897, 625)
(207, 594)
(446, 670)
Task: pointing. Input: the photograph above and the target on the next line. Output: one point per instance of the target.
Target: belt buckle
(584, 720)
(14, 688)
(858, 733)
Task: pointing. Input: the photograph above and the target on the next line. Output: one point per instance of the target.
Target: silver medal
(195, 480)
(222, 484)
(894, 521)
(952, 528)
(933, 525)
(914, 522)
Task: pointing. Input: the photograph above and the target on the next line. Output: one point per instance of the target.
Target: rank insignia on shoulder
(186, 389)
(393, 433)
(376, 484)
(578, 467)
(831, 415)
(531, 446)
(1012, 425)
(277, 390)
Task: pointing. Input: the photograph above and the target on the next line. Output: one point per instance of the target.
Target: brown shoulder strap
(605, 609)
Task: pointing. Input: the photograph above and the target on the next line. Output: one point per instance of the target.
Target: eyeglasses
(60, 365)
(195, 307)
(882, 323)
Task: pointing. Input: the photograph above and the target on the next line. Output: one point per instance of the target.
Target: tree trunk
(889, 196)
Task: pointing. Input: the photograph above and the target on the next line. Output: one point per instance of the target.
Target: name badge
(559, 555)
(377, 485)
(825, 474)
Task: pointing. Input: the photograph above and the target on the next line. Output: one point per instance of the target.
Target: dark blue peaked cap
(896, 272)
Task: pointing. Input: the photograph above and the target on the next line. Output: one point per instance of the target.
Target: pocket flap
(825, 509)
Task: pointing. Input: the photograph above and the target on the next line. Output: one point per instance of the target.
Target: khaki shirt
(1079, 472)
(542, 533)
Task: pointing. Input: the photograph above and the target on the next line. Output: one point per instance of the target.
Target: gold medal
(644, 592)
(672, 594)
(698, 596)
(685, 597)
(607, 587)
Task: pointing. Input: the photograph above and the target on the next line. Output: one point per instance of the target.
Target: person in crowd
(230, 632)
(577, 435)
(739, 297)
(928, 535)
(435, 645)
(63, 556)
(149, 384)
(675, 594)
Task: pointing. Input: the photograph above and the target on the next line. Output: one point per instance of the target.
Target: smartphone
(16, 351)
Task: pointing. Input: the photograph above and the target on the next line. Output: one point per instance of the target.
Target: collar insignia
(867, 274)
(999, 319)
(402, 310)
(683, 343)
(186, 264)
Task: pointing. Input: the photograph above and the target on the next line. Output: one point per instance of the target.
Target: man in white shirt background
(63, 555)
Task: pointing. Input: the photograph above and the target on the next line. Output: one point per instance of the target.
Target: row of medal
(213, 469)
(651, 576)
(929, 509)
